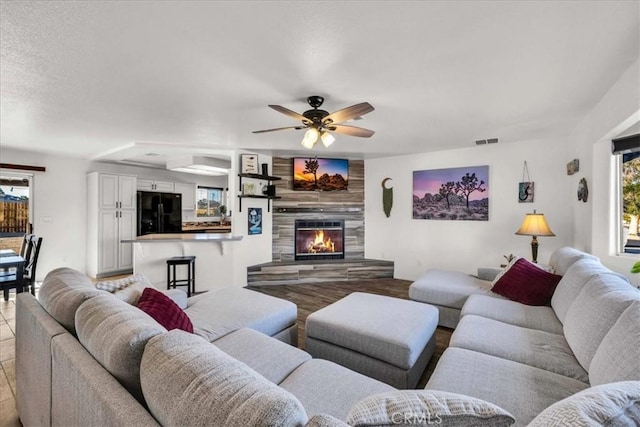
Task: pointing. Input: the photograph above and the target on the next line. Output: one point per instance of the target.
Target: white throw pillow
(614, 404)
(115, 285)
(426, 407)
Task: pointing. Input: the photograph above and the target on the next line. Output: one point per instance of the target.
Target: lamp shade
(535, 224)
(310, 138)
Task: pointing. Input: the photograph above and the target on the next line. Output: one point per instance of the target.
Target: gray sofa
(526, 358)
(86, 358)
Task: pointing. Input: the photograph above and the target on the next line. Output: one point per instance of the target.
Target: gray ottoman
(385, 338)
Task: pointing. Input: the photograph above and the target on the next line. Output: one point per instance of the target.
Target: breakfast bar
(214, 260)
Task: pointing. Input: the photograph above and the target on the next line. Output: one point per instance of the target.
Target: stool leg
(168, 276)
(194, 277)
(188, 281)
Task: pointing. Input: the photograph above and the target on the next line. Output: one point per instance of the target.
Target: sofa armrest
(488, 273)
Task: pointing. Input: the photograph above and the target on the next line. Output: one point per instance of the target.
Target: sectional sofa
(85, 357)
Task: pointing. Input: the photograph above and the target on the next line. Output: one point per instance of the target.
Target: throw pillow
(526, 283)
(114, 285)
(613, 404)
(426, 407)
(164, 310)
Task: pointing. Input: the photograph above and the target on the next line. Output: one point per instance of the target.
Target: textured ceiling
(89, 78)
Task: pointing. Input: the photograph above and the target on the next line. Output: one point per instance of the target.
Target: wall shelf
(257, 176)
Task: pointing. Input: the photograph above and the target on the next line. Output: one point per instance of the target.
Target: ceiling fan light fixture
(310, 138)
(327, 138)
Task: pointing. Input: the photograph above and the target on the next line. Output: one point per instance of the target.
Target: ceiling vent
(487, 141)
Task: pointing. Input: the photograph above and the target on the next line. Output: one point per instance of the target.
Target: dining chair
(28, 281)
(25, 244)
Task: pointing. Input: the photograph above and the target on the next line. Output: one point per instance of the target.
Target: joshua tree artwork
(452, 194)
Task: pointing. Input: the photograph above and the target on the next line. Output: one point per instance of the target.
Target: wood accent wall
(347, 205)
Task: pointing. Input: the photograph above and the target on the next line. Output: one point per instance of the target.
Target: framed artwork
(254, 219)
(452, 194)
(525, 192)
(249, 163)
(249, 189)
(317, 174)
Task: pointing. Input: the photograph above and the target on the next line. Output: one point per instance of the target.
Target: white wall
(416, 245)
(594, 222)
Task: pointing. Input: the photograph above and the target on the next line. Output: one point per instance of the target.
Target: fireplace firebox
(319, 239)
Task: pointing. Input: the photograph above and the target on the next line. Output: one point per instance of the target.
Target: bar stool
(190, 281)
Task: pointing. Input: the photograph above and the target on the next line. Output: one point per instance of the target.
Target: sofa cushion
(511, 312)
(426, 407)
(188, 381)
(528, 346)
(522, 390)
(527, 283)
(164, 310)
(62, 292)
(572, 283)
(448, 288)
(595, 310)
(269, 357)
(615, 404)
(561, 259)
(214, 314)
(618, 356)
(324, 387)
(115, 334)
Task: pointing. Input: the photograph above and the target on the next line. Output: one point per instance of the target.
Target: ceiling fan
(319, 122)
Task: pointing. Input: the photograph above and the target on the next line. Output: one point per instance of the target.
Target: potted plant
(636, 269)
(223, 213)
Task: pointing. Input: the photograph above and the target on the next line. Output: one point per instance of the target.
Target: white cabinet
(188, 192)
(111, 218)
(159, 186)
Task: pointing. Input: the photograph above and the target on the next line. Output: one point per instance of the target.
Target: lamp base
(534, 249)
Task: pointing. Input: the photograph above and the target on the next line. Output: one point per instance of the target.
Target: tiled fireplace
(319, 239)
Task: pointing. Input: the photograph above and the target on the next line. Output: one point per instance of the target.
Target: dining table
(10, 260)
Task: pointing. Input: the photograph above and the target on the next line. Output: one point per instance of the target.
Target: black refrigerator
(159, 213)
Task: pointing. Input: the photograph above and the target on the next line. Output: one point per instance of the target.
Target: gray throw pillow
(612, 405)
(426, 407)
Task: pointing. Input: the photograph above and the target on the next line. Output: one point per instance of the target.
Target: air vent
(487, 141)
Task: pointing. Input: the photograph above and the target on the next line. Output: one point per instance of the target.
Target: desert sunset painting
(452, 194)
(312, 174)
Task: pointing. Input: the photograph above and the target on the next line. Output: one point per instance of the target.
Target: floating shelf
(258, 176)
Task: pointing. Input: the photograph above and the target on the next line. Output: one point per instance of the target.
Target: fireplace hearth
(319, 239)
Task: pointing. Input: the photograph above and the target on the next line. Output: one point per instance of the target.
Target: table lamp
(534, 225)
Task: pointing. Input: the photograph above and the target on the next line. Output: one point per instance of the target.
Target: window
(210, 200)
(630, 191)
(628, 150)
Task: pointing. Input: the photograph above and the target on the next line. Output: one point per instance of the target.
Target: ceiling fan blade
(351, 130)
(289, 113)
(349, 113)
(273, 130)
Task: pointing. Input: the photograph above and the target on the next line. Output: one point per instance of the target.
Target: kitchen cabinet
(111, 218)
(159, 186)
(188, 192)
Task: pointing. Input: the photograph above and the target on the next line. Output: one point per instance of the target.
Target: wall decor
(254, 219)
(387, 197)
(525, 188)
(583, 190)
(249, 163)
(313, 173)
(249, 189)
(573, 166)
(452, 194)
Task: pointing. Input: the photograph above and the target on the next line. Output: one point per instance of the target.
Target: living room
(553, 82)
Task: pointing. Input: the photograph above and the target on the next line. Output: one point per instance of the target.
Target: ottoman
(385, 338)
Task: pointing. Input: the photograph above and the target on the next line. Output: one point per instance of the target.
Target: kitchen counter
(184, 237)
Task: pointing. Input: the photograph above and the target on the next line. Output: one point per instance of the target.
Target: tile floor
(8, 413)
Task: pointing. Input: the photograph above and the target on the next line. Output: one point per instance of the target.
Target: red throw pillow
(527, 283)
(164, 310)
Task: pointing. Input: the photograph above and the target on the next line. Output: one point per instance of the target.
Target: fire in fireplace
(319, 239)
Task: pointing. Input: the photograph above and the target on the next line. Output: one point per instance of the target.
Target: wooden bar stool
(190, 281)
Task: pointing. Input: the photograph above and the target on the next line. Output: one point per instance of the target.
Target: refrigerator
(159, 213)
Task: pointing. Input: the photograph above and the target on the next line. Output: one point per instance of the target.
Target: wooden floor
(313, 297)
